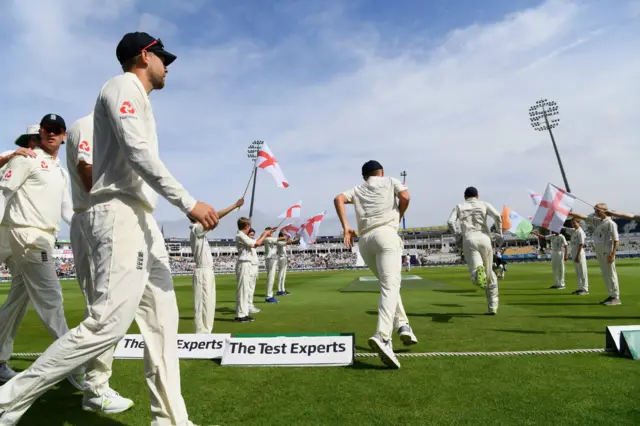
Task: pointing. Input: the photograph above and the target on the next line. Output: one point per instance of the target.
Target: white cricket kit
(271, 262)
(132, 277)
(378, 216)
(471, 216)
(255, 269)
(80, 148)
(282, 266)
(558, 244)
(244, 273)
(37, 195)
(578, 238)
(204, 282)
(604, 236)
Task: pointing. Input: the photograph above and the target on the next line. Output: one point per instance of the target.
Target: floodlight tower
(403, 175)
(540, 115)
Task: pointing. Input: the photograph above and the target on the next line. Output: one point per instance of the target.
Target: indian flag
(516, 224)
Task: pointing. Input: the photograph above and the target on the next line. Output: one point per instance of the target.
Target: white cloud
(451, 112)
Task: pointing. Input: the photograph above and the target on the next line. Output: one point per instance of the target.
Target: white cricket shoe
(384, 351)
(407, 336)
(254, 310)
(6, 372)
(110, 402)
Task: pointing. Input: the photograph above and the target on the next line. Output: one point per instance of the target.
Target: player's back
(122, 112)
(472, 216)
(375, 202)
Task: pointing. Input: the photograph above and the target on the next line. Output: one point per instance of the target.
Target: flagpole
(252, 153)
(253, 191)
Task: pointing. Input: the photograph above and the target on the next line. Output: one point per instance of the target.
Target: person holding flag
(605, 240)
(380, 202)
(271, 262)
(476, 242)
(559, 255)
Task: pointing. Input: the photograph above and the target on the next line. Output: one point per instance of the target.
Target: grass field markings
(589, 317)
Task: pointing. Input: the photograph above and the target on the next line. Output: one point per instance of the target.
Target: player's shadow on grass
(456, 291)
(547, 332)
(62, 405)
(360, 365)
(593, 317)
(435, 316)
(548, 304)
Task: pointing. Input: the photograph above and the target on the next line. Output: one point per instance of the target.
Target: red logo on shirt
(7, 175)
(84, 146)
(44, 165)
(127, 108)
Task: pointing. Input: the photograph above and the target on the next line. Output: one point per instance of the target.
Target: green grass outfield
(598, 389)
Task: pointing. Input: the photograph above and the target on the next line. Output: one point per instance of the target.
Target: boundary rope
(434, 354)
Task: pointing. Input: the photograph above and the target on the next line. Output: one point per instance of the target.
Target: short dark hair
(470, 192)
(243, 222)
(252, 230)
(370, 167)
(130, 63)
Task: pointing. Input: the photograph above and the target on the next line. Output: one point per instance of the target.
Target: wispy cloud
(329, 87)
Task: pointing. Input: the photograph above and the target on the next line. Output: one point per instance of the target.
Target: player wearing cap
(605, 242)
(129, 259)
(98, 395)
(17, 306)
(559, 255)
(204, 280)
(380, 202)
(471, 216)
(37, 196)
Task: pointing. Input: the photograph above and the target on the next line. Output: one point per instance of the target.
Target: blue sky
(438, 88)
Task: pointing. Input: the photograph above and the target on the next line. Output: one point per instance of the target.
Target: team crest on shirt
(44, 165)
(7, 175)
(84, 146)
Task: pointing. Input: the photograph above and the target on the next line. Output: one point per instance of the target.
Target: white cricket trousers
(557, 267)
(381, 250)
(271, 264)
(581, 271)
(35, 281)
(15, 306)
(478, 252)
(244, 276)
(252, 287)
(204, 299)
(282, 274)
(132, 280)
(99, 369)
(608, 270)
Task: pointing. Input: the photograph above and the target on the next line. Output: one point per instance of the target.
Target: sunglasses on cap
(156, 48)
(52, 129)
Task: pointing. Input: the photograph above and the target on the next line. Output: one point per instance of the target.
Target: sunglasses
(52, 129)
(158, 43)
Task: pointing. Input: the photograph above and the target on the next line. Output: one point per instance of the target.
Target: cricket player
(130, 263)
(499, 266)
(407, 262)
(98, 395)
(271, 262)
(245, 266)
(578, 238)
(605, 241)
(204, 280)
(380, 202)
(255, 271)
(559, 255)
(37, 196)
(17, 306)
(283, 262)
(476, 242)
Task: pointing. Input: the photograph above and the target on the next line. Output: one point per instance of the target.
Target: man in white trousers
(98, 395)
(605, 241)
(283, 262)
(130, 263)
(271, 263)
(245, 267)
(255, 271)
(407, 262)
(380, 202)
(476, 242)
(578, 238)
(16, 304)
(559, 255)
(204, 280)
(36, 190)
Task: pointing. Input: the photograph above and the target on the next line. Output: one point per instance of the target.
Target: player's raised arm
(453, 219)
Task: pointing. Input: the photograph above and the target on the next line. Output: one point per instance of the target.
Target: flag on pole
(290, 231)
(535, 197)
(292, 212)
(553, 209)
(516, 224)
(310, 228)
(267, 161)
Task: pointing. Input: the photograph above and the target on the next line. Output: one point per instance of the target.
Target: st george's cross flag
(292, 212)
(267, 161)
(554, 208)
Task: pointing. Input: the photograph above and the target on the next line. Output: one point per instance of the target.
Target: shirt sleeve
(497, 217)
(124, 107)
(564, 240)
(398, 186)
(614, 231)
(85, 147)
(198, 229)
(580, 236)
(350, 194)
(453, 218)
(244, 239)
(15, 174)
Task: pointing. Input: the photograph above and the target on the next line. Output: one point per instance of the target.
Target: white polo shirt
(37, 192)
(376, 203)
(606, 232)
(126, 160)
(578, 237)
(79, 148)
(200, 246)
(244, 244)
(558, 242)
(270, 248)
(282, 249)
(472, 217)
